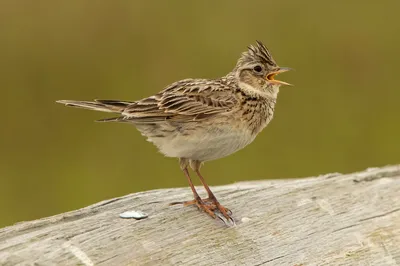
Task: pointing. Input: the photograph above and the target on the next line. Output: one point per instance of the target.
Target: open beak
(271, 76)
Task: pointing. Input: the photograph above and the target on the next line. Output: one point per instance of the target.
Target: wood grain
(332, 219)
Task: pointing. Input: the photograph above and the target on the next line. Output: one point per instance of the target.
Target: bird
(200, 120)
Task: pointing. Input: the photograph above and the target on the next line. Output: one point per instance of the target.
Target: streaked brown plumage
(198, 120)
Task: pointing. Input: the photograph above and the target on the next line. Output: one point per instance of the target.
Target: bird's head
(256, 70)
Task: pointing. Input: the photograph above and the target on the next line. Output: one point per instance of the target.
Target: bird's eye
(257, 69)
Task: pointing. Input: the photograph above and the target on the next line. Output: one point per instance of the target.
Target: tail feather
(114, 119)
(114, 102)
(110, 106)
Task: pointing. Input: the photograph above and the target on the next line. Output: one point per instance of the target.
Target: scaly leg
(211, 197)
(197, 200)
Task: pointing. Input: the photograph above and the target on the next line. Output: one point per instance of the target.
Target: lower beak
(271, 76)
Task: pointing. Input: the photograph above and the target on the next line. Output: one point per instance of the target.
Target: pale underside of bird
(198, 120)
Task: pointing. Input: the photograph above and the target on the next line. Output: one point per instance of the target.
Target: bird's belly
(209, 144)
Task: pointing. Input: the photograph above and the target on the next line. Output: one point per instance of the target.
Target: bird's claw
(210, 206)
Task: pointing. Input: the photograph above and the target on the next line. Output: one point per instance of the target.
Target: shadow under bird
(198, 120)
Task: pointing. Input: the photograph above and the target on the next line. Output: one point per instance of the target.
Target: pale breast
(203, 141)
(257, 114)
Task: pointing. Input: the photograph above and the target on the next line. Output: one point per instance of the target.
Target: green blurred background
(342, 115)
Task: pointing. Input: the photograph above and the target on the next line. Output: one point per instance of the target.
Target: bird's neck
(270, 93)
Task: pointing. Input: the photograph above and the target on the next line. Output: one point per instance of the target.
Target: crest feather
(258, 52)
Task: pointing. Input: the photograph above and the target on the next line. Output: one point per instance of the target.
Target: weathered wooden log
(333, 219)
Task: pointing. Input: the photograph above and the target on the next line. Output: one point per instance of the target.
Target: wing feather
(184, 100)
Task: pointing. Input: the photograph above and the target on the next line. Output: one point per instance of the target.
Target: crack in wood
(380, 215)
(271, 260)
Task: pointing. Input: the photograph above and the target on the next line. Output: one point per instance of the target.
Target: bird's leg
(208, 205)
(211, 197)
(197, 200)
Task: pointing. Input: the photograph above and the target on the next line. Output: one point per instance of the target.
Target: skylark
(199, 120)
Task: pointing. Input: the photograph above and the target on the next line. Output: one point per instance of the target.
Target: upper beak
(271, 76)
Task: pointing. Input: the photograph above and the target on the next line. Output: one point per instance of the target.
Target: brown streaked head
(258, 69)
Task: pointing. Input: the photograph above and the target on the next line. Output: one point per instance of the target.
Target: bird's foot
(209, 205)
